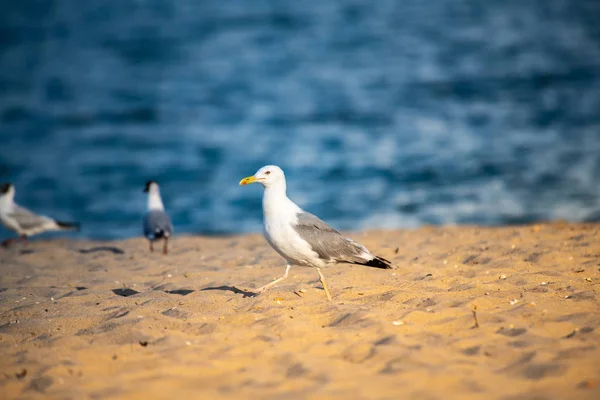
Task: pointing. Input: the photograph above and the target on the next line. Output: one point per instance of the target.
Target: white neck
(154, 200)
(275, 201)
(6, 201)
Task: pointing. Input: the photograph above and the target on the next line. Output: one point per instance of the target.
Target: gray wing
(28, 220)
(157, 224)
(328, 243)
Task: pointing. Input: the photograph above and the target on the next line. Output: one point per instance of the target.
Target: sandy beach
(468, 312)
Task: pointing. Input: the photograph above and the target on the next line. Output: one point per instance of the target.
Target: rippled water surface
(382, 113)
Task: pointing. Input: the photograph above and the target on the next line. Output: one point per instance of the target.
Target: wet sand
(469, 312)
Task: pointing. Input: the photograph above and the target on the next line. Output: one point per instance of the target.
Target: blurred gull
(157, 224)
(23, 221)
(301, 237)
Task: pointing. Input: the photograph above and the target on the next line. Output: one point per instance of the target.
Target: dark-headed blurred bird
(24, 222)
(157, 224)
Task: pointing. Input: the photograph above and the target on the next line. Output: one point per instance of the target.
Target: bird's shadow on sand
(111, 249)
(233, 289)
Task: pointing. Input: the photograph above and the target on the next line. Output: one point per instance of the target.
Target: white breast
(10, 223)
(6, 208)
(280, 233)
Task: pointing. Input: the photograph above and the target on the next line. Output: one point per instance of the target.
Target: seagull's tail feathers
(161, 233)
(378, 262)
(68, 226)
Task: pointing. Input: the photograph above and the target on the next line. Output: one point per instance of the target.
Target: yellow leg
(166, 245)
(268, 285)
(151, 246)
(322, 279)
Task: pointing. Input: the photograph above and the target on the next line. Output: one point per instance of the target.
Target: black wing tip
(159, 233)
(379, 262)
(73, 226)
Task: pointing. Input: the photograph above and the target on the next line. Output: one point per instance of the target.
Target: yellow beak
(248, 180)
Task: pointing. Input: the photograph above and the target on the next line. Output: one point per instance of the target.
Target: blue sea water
(382, 113)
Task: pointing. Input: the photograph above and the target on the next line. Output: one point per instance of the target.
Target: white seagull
(157, 224)
(301, 237)
(24, 222)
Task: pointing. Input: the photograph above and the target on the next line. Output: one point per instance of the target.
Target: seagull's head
(267, 176)
(151, 187)
(7, 188)
(7, 194)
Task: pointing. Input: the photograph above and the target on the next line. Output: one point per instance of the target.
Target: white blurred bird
(25, 222)
(157, 224)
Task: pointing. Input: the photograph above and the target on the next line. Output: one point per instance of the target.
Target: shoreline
(77, 237)
(504, 312)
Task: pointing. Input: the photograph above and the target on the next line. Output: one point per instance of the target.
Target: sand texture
(496, 313)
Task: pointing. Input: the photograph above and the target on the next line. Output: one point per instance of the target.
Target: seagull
(24, 222)
(157, 224)
(300, 237)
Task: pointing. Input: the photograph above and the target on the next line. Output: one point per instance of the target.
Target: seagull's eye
(267, 173)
